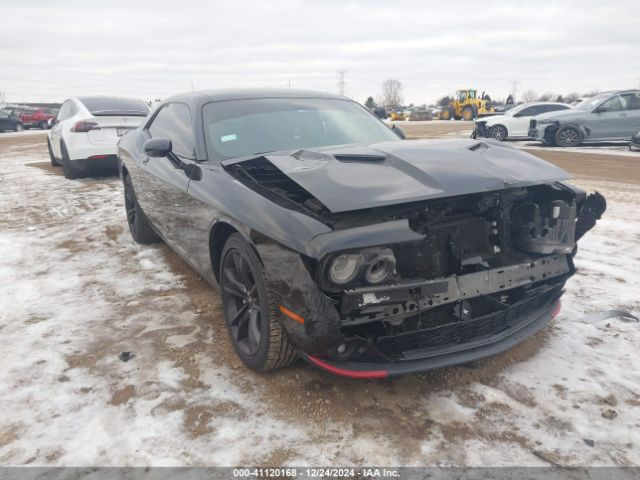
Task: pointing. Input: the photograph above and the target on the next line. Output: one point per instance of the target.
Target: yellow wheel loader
(467, 105)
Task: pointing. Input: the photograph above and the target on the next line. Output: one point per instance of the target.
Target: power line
(341, 81)
(514, 88)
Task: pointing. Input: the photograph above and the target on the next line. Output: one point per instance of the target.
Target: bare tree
(529, 96)
(571, 97)
(392, 93)
(546, 97)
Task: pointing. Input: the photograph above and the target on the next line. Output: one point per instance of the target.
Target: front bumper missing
(522, 327)
(389, 302)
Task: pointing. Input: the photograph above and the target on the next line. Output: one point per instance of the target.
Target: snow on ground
(75, 292)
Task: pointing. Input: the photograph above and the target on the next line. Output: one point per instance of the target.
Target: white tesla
(87, 130)
(515, 122)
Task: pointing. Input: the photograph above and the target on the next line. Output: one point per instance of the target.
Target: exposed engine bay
(479, 250)
(483, 259)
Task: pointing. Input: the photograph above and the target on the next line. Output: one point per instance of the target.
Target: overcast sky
(152, 49)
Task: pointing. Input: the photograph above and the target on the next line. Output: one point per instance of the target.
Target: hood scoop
(352, 157)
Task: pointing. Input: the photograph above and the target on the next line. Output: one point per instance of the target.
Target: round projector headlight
(380, 269)
(345, 268)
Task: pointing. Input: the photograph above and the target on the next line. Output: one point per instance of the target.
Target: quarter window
(632, 101)
(173, 121)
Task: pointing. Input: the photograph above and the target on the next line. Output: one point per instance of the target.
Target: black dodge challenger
(332, 238)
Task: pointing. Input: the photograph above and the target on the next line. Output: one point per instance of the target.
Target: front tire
(498, 132)
(446, 113)
(568, 137)
(19, 127)
(139, 225)
(250, 310)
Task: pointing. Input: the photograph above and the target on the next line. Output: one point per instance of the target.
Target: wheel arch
(218, 235)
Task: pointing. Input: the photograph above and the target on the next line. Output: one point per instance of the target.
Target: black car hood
(350, 178)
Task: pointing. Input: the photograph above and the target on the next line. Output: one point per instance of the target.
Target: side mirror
(157, 147)
(600, 109)
(51, 122)
(398, 131)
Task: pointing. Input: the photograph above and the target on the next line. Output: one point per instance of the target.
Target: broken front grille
(432, 334)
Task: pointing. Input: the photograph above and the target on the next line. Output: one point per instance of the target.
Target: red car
(37, 117)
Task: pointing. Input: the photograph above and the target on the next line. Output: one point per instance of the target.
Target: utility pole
(341, 82)
(514, 88)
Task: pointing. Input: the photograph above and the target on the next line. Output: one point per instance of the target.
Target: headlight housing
(345, 268)
(370, 266)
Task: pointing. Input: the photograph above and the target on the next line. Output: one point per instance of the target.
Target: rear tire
(52, 158)
(568, 137)
(139, 225)
(250, 310)
(69, 172)
(19, 127)
(498, 132)
(43, 125)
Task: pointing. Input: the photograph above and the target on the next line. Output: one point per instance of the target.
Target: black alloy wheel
(243, 303)
(250, 312)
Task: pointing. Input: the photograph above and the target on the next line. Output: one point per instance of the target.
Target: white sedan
(87, 130)
(515, 122)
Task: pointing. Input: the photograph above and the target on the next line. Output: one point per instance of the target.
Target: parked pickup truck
(37, 117)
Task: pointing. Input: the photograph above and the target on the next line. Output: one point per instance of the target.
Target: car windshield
(115, 106)
(593, 102)
(244, 127)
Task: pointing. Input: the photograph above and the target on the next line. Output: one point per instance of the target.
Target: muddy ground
(485, 413)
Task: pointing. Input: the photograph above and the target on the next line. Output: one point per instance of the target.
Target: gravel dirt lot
(76, 292)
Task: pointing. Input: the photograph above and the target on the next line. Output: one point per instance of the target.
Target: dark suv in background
(10, 121)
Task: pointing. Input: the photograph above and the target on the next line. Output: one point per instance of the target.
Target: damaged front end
(457, 279)
(470, 264)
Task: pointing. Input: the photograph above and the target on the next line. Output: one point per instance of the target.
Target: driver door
(606, 120)
(165, 180)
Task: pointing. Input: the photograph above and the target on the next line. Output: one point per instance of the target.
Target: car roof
(249, 93)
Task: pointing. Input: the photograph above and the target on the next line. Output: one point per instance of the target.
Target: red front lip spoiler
(347, 373)
(372, 370)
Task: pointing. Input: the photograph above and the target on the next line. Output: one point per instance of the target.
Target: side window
(614, 104)
(4, 114)
(553, 108)
(530, 111)
(632, 101)
(173, 121)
